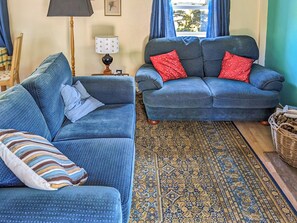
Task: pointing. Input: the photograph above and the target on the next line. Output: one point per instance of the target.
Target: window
(190, 17)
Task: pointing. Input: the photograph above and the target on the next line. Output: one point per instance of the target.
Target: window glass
(190, 17)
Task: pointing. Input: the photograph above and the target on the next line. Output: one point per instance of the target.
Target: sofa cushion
(237, 94)
(236, 68)
(18, 110)
(169, 66)
(37, 163)
(187, 48)
(45, 85)
(189, 92)
(109, 162)
(214, 50)
(114, 121)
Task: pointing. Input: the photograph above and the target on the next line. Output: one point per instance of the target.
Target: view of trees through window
(190, 17)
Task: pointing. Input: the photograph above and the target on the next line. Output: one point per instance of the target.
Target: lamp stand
(107, 60)
(72, 45)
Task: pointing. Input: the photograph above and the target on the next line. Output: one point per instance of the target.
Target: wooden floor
(259, 138)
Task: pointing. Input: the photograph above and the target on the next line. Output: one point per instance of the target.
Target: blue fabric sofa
(203, 96)
(102, 143)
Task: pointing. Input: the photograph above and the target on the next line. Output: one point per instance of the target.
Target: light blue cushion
(189, 92)
(18, 110)
(81, 89)
(109, 121)
(78, 102)
(83, 204)
(237, 94)
(45, 85)
(109, 162)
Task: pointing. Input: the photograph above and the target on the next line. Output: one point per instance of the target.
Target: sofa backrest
(45, 85)
(19, 111)
(188, 50)
(214, 49)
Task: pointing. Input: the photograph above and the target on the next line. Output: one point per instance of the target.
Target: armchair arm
(148, 78)
(110, 89)
(266, 79)
(69, 204)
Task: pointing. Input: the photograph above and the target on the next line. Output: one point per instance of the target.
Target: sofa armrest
(109, 89)
(69, 204)
(266, 79)
(148, 78)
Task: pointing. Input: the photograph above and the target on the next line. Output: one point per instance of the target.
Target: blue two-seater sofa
(102, 143)
(202, 95)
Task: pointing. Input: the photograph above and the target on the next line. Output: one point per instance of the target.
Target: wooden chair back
(16, 58)
(15, 64)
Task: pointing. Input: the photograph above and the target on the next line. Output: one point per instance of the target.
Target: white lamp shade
(106, 45)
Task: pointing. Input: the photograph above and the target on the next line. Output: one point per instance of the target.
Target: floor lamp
(70, 8)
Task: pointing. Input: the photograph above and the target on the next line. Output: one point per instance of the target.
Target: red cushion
(169, 66)
(236, 68)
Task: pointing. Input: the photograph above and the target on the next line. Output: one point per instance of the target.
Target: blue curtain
(5, 39)
(162, 24)
(218, 18)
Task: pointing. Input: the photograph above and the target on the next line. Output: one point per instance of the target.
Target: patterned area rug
(201, 172)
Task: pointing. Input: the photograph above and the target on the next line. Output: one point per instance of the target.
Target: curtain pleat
(218, 18)
(5, 38)
(162, 23)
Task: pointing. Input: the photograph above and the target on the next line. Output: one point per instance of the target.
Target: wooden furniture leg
(3, 88)
(153, 122)
(265, 123)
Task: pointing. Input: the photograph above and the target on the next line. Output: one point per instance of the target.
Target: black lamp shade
(70, 8)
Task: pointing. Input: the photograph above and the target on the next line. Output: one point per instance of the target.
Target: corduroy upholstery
(237, 94)
(187, 48)
(45, 85)
(106, 121)
(110, 89)
(174, 92)
(266, 79)
(214, 50)
(70, 204)
(110, 164)
(148, 78)
(18, 110)
(209, 98)
(102, 143)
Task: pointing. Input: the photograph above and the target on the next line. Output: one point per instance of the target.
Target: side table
(123, 74)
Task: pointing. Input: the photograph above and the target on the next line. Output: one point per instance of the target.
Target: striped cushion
(37, 163)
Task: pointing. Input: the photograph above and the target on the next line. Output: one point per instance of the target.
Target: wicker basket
(285, 142)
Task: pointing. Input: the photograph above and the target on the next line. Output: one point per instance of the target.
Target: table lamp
(70, 8)
(107, 45)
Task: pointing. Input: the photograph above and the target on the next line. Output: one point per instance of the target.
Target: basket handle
(283, 124)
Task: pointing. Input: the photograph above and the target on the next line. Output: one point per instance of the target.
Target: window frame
(193, 6)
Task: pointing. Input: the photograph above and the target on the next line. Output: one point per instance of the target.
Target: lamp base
(107, 60)
(107, 71)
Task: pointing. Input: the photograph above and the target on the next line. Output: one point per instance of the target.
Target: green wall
(281, 45)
